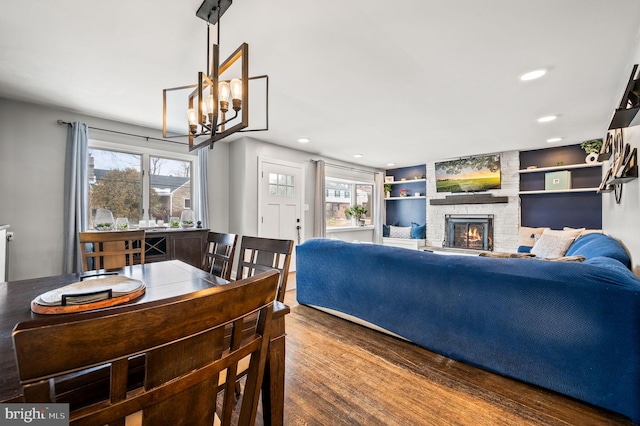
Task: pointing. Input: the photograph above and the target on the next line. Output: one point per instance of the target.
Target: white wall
(622, 221)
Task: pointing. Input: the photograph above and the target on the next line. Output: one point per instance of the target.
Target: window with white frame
(139, 184)
(342, 194)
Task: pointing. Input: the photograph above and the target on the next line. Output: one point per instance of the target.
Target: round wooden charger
(68, 309)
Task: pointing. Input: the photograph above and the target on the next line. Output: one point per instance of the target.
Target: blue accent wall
(404, 212)
(557, 210)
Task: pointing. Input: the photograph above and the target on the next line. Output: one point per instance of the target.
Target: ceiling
(407, 82)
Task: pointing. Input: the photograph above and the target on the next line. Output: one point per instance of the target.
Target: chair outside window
(218, 254)
(262, 254)
(184, 350)
(109, 250)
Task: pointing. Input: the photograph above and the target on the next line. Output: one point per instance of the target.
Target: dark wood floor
(340, 373)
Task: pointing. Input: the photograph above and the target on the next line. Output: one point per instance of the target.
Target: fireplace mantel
(468, 199)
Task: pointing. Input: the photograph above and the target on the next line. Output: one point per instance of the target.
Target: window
(281, 185)
(345, 194)
(117, 182)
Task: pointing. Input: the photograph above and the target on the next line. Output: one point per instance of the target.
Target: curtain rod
(62, 123)
(353, 169)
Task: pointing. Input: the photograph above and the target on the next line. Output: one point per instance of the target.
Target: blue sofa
(570, 327)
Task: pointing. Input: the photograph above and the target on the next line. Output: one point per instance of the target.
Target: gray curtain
(319, 213)
(76, 195)
(203, 187)
(378, 208)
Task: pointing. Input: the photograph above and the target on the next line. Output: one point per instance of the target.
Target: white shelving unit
(558, 191)
(408, 197)
(406, 181)
(556, 168)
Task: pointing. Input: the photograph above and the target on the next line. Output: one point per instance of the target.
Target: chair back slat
(110, 250)
(218, 254)
(259, 254)
(182, 343)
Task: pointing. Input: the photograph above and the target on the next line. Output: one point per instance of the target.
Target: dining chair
(259, 254)
(218, 254)
(111, 249)
(183, 343)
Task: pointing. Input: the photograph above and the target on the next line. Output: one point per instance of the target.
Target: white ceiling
(406, 81)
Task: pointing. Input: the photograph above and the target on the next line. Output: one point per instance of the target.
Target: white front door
(280, 193)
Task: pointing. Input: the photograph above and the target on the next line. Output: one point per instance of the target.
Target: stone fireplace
(469, 231)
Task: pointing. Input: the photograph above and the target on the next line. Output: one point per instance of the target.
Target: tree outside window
(341, 195)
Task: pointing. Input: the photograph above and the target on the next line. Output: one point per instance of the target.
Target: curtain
(203, 187)
(319, 203)
(76, 195)
(378, 209)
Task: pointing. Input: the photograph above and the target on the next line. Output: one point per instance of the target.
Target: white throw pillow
(549, 245)
(399, 232)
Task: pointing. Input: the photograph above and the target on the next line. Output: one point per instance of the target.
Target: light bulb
(210, 106)
(193, 117)
(223, 91)
(236, 88)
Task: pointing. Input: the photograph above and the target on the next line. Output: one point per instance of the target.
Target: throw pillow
(549, 245)
(527, 236)
(418, 231)
(385, 230)
(399, 231)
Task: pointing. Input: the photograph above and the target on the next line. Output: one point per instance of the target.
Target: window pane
(273, 178)
(170, 191)
(364, 198)
(115, 183)
(336, 203)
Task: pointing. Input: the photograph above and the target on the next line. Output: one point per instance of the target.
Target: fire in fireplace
(469, 231)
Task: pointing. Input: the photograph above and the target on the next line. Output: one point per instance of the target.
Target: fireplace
(469, 231)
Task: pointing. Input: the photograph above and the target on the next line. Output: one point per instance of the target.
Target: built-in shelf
(408, 197)
(558, 191)
(450, 200)
(555, 168)
(406, 181)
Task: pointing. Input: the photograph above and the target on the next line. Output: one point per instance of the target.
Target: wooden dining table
(163, 280)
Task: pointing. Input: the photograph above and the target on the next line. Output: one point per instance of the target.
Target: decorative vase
(122, 224)
(186, 219)
(103, 220)
(591, 158)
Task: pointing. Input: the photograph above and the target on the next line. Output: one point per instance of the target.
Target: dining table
(163, 280)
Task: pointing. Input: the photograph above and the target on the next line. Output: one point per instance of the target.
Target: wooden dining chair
(182, 342)
(111, 249)
(259, 254)
(218, 254)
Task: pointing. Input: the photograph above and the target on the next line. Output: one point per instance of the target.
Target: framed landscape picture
(470, 174)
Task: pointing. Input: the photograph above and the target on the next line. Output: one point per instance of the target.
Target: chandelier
(210, 100)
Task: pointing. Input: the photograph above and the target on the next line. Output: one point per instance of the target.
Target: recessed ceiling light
(552, 140)
(547, 118)
(391, 164)
(303, 140)
(532, 75)
(357, 155)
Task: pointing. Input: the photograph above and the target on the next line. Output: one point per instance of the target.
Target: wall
(32, 164)
(244, 155)
(506, 216)
(621, 220)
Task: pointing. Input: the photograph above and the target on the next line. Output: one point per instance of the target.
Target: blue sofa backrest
(599, 245)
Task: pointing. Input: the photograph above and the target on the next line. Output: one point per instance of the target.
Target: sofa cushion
(549, 245)
(418, 231)
(399, 231)
(594, 245)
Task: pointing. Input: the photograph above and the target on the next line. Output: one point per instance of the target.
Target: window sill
(350, 228)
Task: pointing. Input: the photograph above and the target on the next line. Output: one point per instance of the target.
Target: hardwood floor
(340, 373)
